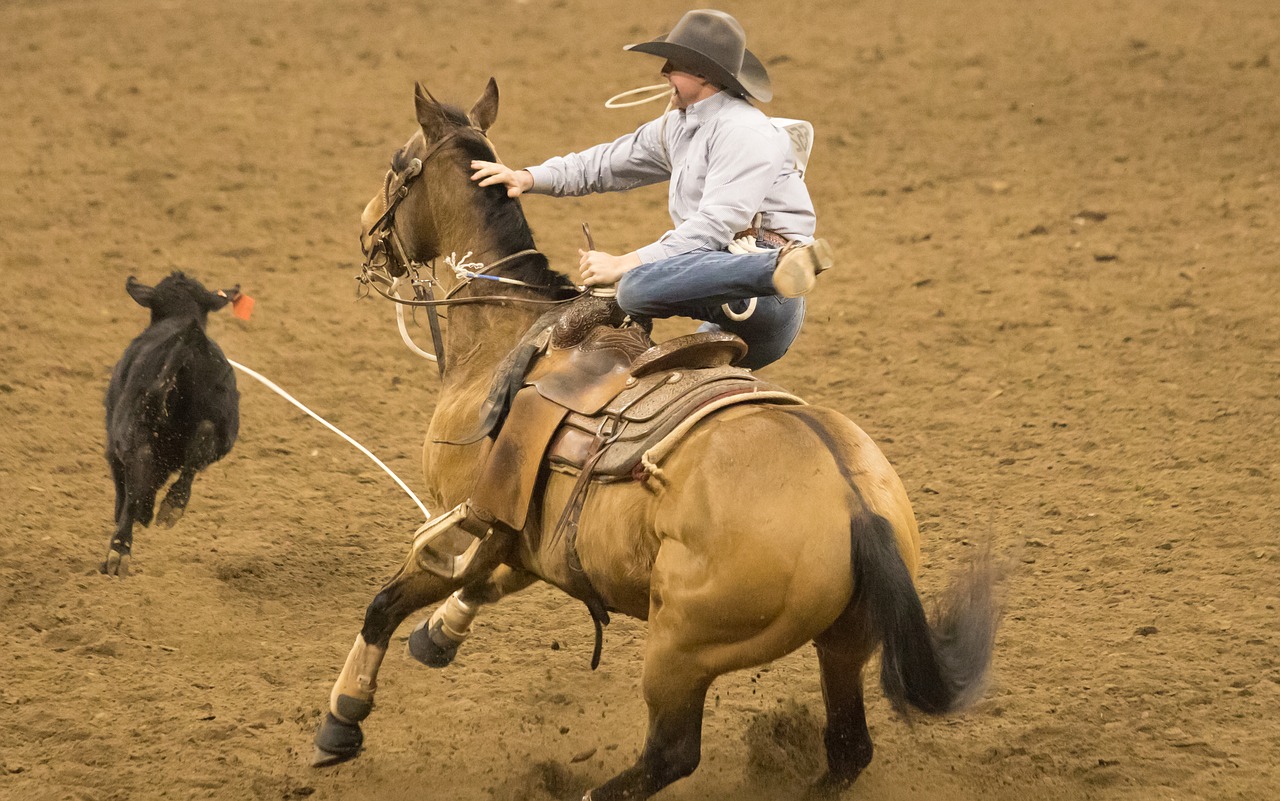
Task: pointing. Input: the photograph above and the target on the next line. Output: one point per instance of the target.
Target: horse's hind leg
(841, 655)
(201, 451)
(675, 689)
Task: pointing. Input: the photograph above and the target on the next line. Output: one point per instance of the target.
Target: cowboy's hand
(603, 269)
(491, 173)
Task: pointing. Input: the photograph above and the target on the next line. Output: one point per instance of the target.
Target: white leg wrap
(454, 617)
(358, 679)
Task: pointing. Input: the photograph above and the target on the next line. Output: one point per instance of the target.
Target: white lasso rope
(460, 265)
(462, 269)
(404, 331)
(615, 101)
(276, 389)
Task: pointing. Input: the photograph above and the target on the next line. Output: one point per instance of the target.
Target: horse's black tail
(940, 667)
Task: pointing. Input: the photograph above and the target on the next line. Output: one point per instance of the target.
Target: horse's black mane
(502, 215)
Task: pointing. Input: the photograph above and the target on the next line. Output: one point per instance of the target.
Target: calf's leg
(175, 500)
(200, 452)
(137, 481)
(116, 562)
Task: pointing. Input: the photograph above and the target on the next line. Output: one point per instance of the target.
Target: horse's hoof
(321, 758)
(337, 741)
(429, 645)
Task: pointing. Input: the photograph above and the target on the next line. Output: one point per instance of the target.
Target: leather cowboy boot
(799, 265)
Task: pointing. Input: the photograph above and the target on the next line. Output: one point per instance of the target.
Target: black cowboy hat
(713, 44)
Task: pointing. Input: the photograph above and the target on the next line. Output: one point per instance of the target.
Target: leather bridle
(387, 261)
(387, 252)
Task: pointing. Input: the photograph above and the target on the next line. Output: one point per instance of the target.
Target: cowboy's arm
(743, 165)
(630, 161)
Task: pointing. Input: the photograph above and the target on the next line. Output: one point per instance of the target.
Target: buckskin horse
(738, 556)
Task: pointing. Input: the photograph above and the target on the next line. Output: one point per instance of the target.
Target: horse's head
(428, 205)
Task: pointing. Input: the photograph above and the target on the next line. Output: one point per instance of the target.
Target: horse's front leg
(419, 582)
(435, 641)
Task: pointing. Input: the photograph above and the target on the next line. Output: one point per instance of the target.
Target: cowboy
(733, 176)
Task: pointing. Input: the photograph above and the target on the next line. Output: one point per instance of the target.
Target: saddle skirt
(614, 440)
(594, 397)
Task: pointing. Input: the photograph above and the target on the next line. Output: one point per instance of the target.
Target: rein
(372, 275)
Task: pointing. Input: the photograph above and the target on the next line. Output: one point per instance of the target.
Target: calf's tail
(936, 667)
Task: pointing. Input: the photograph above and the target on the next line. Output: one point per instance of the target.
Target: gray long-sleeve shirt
(725, 160)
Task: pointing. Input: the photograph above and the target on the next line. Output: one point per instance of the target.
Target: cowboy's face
(687, 87)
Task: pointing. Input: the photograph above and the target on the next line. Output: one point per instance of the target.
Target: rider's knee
(641, 295)
(631, 297)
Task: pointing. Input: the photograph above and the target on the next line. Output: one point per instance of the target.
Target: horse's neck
(479, 336)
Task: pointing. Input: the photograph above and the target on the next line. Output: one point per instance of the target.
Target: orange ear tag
(242, 306)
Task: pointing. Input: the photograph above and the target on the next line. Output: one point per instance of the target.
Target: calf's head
(178, 296)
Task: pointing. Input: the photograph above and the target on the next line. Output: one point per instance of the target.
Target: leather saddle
(587, 392)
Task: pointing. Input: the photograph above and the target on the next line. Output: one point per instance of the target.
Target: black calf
(172, 406)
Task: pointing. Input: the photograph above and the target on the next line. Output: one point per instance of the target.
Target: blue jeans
(699, 283)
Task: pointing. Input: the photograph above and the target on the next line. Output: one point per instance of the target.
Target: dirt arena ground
(1055, 309)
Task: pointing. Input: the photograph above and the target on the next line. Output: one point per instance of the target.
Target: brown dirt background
(1098, 396)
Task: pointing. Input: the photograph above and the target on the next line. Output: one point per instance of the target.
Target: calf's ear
(140, 292)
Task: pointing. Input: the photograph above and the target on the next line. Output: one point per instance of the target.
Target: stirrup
(446, 545)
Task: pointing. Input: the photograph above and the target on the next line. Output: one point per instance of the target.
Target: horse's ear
(485, 111)
(141, 293)
(430, 115)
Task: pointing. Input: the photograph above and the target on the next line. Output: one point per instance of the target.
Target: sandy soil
(1055, 309)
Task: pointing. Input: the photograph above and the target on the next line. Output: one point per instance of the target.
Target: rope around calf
(271, 385)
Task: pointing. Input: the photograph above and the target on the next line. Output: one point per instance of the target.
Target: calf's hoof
(828, 786)
(117, 564)
(336, 741)
(431, 646)
(169, 513)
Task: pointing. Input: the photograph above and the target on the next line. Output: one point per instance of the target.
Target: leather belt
(764, 235)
